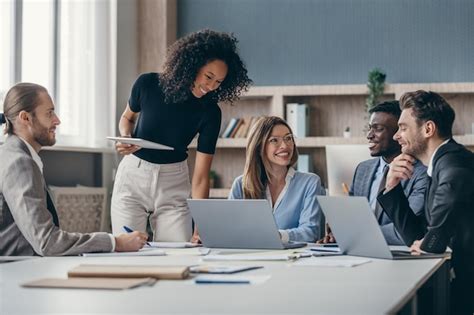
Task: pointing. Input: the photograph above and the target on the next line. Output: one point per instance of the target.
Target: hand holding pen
(129, 230)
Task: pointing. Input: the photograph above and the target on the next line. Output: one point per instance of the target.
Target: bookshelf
(332, 108)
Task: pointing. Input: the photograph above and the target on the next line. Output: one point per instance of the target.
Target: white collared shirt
(429, 171)
(38, 162)
(34, 155)
(289, 175)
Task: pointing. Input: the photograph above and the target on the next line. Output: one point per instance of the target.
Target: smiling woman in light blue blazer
(269, 174)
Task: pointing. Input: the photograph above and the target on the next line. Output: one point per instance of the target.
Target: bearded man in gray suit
(28, 220)
(369, 176)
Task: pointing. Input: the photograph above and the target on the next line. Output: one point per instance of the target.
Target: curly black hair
(189, 54)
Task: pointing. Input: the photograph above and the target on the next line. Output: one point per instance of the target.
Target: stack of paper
(146, 251)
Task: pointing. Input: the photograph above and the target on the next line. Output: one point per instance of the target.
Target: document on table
(173, 245)
(255, 257)
(230, 279)
(142, 252)
(332, 261)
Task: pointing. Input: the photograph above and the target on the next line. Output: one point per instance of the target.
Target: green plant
(376, 86)
(213, 177)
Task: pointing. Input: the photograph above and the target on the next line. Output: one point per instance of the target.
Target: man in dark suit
(369, 175)
(29, 223)
(425, 133)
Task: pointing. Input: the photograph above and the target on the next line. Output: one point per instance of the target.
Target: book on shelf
(297, 117)
(244, 128)
(236, 128)
(241, 128)
(230, 127)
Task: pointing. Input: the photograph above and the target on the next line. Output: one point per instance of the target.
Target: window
(7, 43)
(69, 48)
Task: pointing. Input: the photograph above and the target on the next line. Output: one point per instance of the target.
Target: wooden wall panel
(157, 29)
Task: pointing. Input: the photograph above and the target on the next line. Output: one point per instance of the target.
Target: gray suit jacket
(414, 189)
(26, 225)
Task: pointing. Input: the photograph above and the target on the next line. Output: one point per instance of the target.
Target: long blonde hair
(256, 174)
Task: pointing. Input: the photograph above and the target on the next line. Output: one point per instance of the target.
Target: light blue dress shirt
(374, 190)
(297, 212)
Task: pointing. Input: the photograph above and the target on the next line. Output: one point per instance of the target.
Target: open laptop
(356, 230)
(242, 223)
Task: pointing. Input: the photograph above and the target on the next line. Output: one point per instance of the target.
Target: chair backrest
(80, 209)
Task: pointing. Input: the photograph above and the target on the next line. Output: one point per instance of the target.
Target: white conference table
(378, 287)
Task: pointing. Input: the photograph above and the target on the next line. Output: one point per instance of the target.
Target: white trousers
(156, 192)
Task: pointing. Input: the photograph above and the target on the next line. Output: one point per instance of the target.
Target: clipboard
(141, 143)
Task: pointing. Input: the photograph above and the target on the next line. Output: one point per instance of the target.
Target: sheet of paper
(332, 261)
(231, 279)
(173, 245)
(141, 252)
(252, 257)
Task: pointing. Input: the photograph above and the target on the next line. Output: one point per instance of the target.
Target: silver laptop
(243, 223)
(356, 230)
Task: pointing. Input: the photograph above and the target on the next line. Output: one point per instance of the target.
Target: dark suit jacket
(26, 225)
(414, 189)
(449, 209)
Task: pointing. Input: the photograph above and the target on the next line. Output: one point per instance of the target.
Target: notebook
(89, 283)
(241, 223)
(130, 271)
(356, 229)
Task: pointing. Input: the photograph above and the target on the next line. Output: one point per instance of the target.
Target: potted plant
(376, 86)
(212, 179)
(347, 132)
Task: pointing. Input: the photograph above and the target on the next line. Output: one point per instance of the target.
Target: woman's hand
(125, 149)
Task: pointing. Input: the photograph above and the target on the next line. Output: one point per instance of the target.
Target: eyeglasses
(276, 141)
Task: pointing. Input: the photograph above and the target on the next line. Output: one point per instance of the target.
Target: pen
(204, 281)
(129, 230)
(345, 188)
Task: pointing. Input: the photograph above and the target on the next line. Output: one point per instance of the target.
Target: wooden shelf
(316, 142)
(332, 108)
(219, 193)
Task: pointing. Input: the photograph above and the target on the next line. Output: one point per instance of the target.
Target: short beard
(418, 148)
(41, 135)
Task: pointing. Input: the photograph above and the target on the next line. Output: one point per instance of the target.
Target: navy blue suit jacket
(414, 189)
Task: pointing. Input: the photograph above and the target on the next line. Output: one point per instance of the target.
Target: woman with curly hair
(171, 108)
(269, 174)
